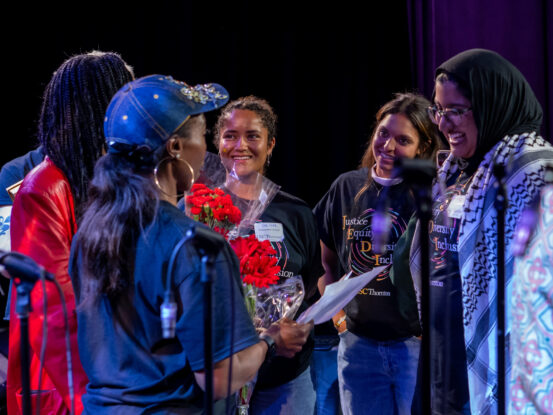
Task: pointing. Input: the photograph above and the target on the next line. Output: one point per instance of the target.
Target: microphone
(168, 315)
(22, 267)
(205, 240)
(415, 171)
(207, 243)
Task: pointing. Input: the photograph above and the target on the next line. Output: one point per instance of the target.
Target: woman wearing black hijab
(489, 115)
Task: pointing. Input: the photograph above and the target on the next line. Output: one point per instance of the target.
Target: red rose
(197, 186)
(213, 208)
(257, 261)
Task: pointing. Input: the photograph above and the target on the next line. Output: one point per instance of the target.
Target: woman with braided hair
(71, 120)
(45, 214)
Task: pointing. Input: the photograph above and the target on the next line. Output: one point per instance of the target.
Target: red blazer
(42, 227)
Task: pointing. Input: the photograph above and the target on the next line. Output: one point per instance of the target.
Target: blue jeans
(294, 397)
(377, 377)
(324, 373)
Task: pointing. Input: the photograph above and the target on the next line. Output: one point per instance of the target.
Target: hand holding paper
(336, 296)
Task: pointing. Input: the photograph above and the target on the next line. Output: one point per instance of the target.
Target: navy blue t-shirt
(130, 367)
(15, 170)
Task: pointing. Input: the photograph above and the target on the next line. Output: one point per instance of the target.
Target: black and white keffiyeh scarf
(525, 157)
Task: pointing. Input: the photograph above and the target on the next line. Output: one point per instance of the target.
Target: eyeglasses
(453, 115)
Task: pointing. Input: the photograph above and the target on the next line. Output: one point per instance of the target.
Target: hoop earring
(171, 159)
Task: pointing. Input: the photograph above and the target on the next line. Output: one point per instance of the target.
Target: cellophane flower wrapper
(212, 172)
(264, 191)
(270, 304)
(267, 298)
(267, 305)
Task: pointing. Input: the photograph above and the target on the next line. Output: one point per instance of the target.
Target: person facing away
(44, 218)
(129, 241)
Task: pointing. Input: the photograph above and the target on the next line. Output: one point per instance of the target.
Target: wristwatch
(271, 345)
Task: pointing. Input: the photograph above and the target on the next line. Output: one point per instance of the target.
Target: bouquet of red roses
(258, 262)
(216, 209)
(266, 300)
(259, 270)
(213, 207)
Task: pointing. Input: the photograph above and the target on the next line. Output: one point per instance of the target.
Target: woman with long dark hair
(45, 215)
(378, 350)
(121, 266)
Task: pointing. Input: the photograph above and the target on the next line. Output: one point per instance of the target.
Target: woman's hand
(331, 265)
(289, 336)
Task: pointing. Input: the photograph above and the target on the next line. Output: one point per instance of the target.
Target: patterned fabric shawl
(532, 318)
(525, 157)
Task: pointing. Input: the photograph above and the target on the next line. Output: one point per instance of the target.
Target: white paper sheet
(336, 296)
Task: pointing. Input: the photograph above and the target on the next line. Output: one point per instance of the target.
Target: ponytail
(122, 203)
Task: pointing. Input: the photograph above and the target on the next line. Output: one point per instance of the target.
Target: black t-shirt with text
(345, 226)
(299, 253)
(449, 369)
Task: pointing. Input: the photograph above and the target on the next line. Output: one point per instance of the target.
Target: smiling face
(244, 143)
(394, 138)
(463, 135)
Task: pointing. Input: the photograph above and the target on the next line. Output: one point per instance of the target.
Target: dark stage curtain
(519, 30)
(326, 71)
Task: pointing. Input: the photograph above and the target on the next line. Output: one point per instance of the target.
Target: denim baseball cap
(148, 110)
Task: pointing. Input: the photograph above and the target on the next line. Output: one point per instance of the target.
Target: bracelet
(340, 321)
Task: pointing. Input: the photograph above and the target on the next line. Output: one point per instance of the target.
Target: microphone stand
(24, 273)
(207, 244)
(22, 308)
(419, 174)
(500, 204)
(206, 278)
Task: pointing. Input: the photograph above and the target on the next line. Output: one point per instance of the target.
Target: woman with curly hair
(245, 135)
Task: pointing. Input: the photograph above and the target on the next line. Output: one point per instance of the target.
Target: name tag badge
(273, 232)
(455, 208)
